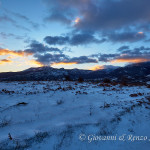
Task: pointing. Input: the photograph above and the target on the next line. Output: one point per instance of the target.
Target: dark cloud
(123, 48)
(107, 57)
(82, 59)
(36, 47)
(61, 11)
(48, 55)
(56, 40)
(48, 59)
(126, 37)
(81, 39)
(142, 48)
(104, 16)
(74, 39)
(113, 15)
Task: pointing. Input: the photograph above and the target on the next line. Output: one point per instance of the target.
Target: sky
(84, 34)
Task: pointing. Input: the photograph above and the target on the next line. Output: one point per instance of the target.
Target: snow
(148, 82)
(52, 115)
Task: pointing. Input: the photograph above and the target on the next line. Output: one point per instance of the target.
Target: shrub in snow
(59, 102)
(4, 122)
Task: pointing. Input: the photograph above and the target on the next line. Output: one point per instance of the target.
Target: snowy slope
(52, 115)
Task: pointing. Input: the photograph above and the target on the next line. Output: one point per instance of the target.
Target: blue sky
(85, 34)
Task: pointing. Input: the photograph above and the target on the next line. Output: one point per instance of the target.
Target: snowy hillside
(72, 116)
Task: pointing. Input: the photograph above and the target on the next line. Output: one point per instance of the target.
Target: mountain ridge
(134, 72)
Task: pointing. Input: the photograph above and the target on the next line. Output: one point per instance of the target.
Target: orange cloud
(64, 63)
(132, 60)
(35, 62)
(15, 53)
(5, 61)
(97, 67)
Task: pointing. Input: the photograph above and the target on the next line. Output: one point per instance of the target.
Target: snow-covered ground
(73, 116)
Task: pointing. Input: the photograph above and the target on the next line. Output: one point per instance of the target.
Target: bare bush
(59, 102)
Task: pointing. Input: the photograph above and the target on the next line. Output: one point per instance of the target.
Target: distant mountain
(131, 73)
(43, 73)
(138, 72)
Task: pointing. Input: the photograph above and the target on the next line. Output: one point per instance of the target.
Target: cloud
(8, 35)
(104, 14)
(130, 60)
(59, 59)
(60, 11)
(15, 53)
(141, 54)
(81, 39)
(115, 14)
(48, 59)
(126, 20)
(63, 63)
(3, 61)
(82, 59)
(36, 47)
(74, 39)
(6, 19)
(123, 48)
(44, 55)
(126, 37)
(142, 48)
(26, 19)
(105, 57)
(58, 17)
(22, 17)
(56, 40)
